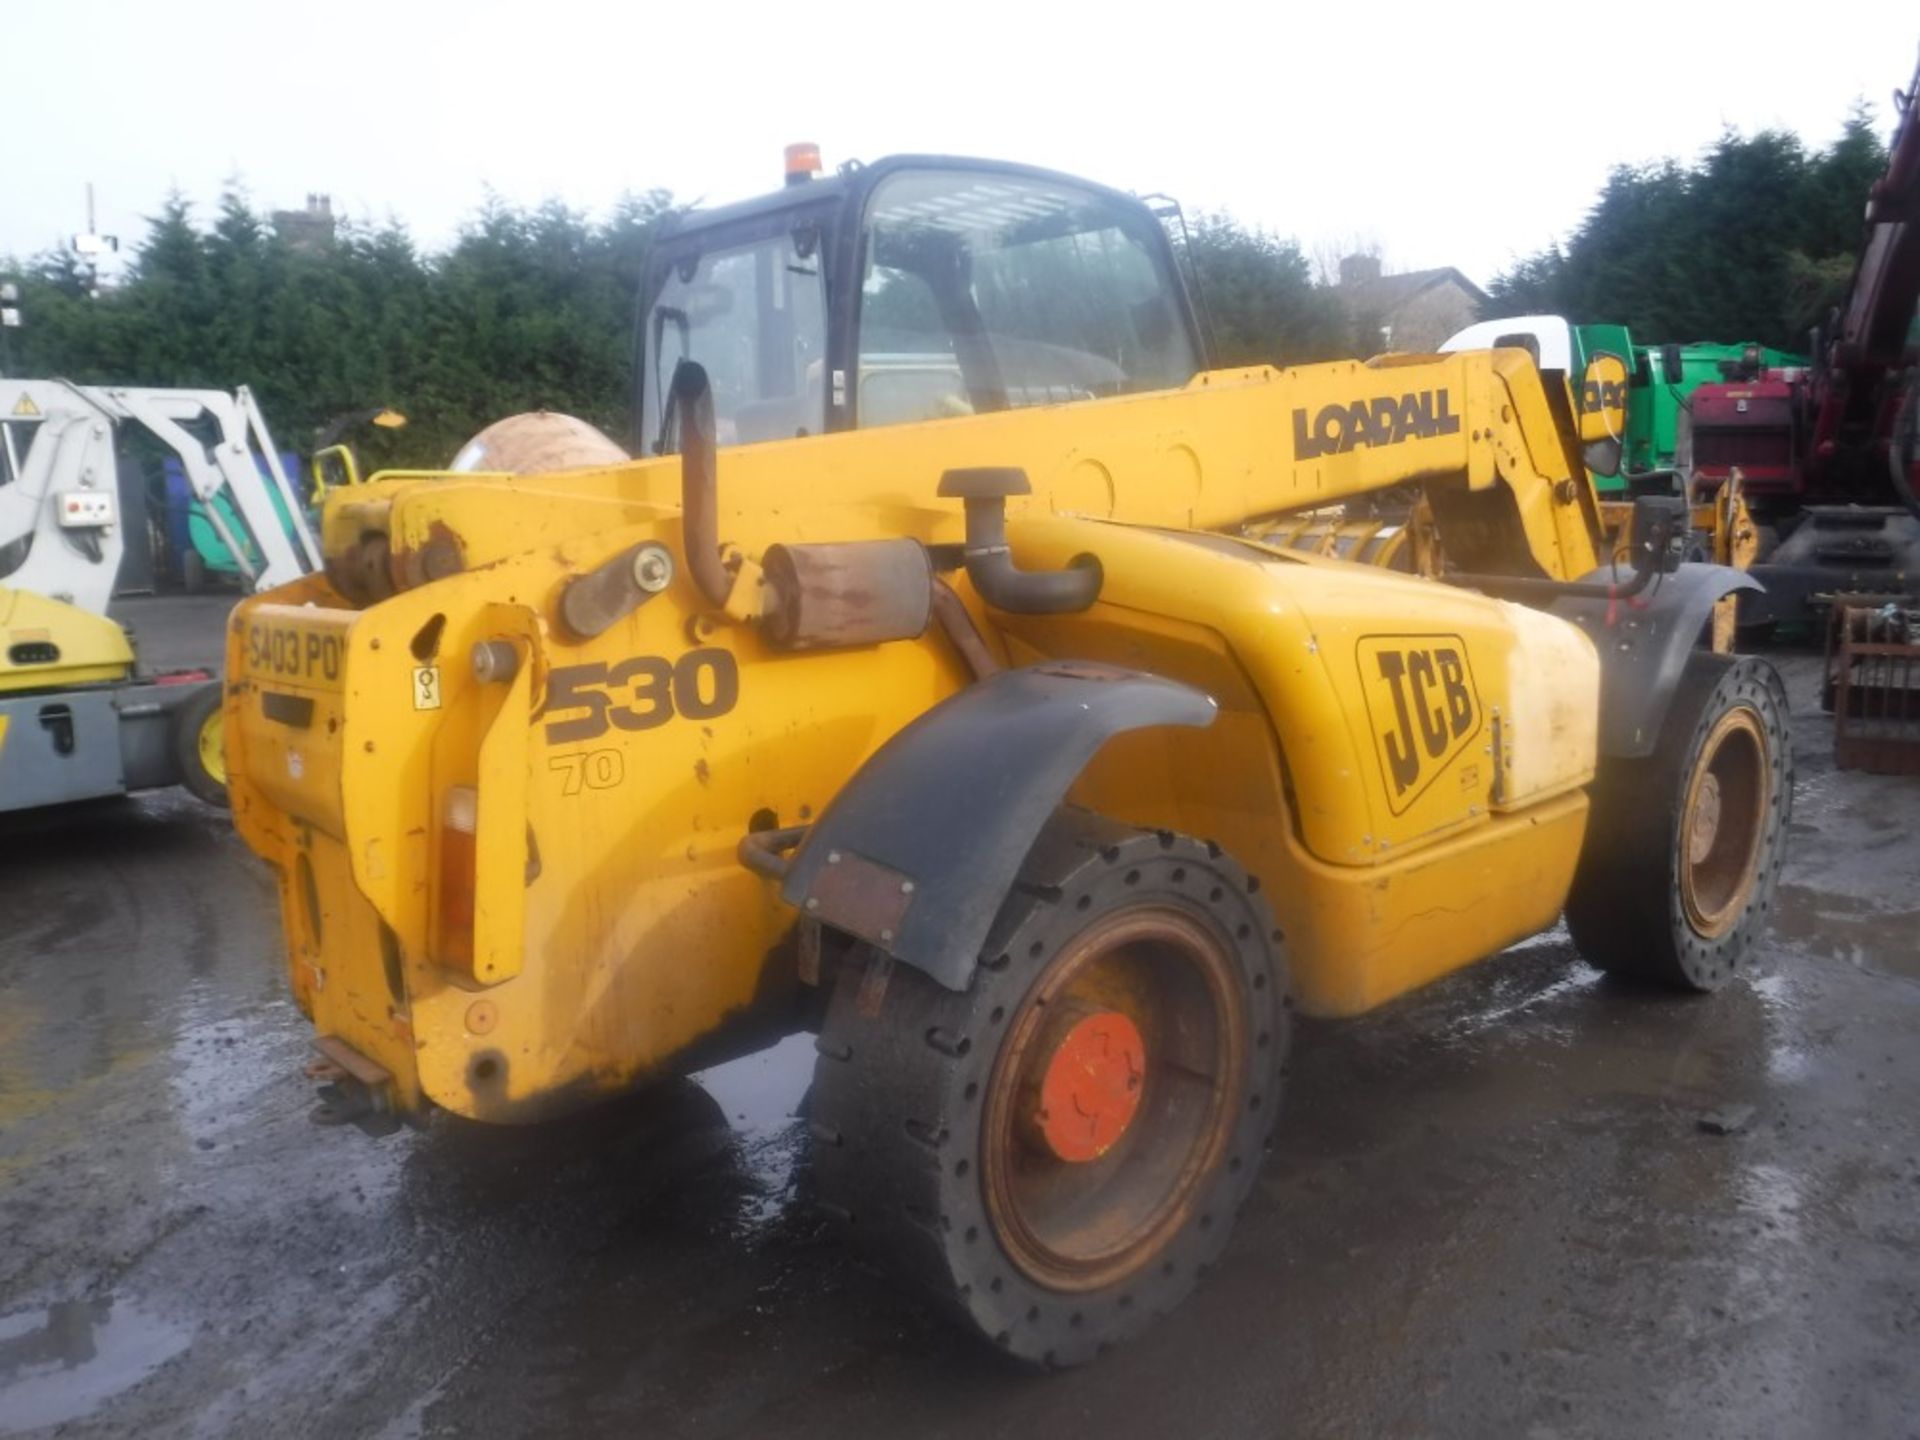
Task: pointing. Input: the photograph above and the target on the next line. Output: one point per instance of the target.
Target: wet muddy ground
(1492, 1209)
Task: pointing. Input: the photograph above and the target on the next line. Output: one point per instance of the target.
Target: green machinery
(1661, 379)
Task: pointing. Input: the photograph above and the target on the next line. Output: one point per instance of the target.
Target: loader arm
(1476, 432)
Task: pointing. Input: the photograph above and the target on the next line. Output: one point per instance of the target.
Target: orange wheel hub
(1091, 1086)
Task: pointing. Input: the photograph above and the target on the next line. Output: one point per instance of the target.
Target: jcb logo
(1424, 709)
(1604, 395)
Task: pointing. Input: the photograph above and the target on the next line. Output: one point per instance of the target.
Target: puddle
(1789, 1061)
(1527, 990)
(761, 1096)
(1499, 1016)
(63, 1361)
(762, 1092)
(1874, 940)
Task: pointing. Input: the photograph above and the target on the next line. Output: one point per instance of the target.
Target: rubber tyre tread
(187, 721)
(1625, 911)
(896, 1133)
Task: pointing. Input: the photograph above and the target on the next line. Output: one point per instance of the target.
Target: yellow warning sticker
(24, 408)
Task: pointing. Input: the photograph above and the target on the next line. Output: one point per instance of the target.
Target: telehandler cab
(956, 672)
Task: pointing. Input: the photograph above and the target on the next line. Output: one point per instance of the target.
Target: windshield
(984, 292)
(755, 316)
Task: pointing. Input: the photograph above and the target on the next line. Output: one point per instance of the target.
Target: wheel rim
(1723, 823)
(210, 744)
(1152, 995)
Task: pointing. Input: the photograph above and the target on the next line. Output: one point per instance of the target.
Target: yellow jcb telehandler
(943, 676)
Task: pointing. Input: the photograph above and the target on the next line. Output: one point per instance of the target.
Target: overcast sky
(1449, 134)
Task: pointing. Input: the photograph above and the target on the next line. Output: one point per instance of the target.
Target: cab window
(755, 317)
(990, 292)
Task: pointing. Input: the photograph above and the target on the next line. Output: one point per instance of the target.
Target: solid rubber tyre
(193, 572)
(1684, 847)
(196, 725)
(925, 1158)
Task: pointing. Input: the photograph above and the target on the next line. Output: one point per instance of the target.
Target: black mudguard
(918, 850)
(1644, 642)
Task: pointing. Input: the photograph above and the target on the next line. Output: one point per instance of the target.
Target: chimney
(1359, 269)
(308, 229)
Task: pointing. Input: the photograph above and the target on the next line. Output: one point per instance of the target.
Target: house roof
(1389, 292)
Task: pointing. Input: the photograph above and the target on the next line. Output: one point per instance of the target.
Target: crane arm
(60, 531)
(243, 461)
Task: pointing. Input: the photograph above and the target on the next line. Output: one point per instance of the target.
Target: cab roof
(854, 179)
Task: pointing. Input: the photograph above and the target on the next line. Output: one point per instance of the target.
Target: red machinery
(1827, 456)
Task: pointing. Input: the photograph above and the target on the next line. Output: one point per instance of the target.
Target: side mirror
(1671, 370)
(1603, 412)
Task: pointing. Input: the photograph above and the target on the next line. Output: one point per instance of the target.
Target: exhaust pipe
(691, 397)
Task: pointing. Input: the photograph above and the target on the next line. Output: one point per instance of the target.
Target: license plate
(295, 652)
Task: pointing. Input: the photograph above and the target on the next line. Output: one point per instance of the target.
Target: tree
(1259, 295)
(528, 308)
(1754, 240)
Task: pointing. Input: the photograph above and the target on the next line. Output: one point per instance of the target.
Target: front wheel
(1684, 847)
(199, 746)
(1057, 1153)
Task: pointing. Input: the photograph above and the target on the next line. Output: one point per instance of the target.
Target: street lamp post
(9, 322)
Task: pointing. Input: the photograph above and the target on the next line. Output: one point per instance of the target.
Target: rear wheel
(199, 746)
(1055, 1155)
(193, 572)
(1684, 848)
